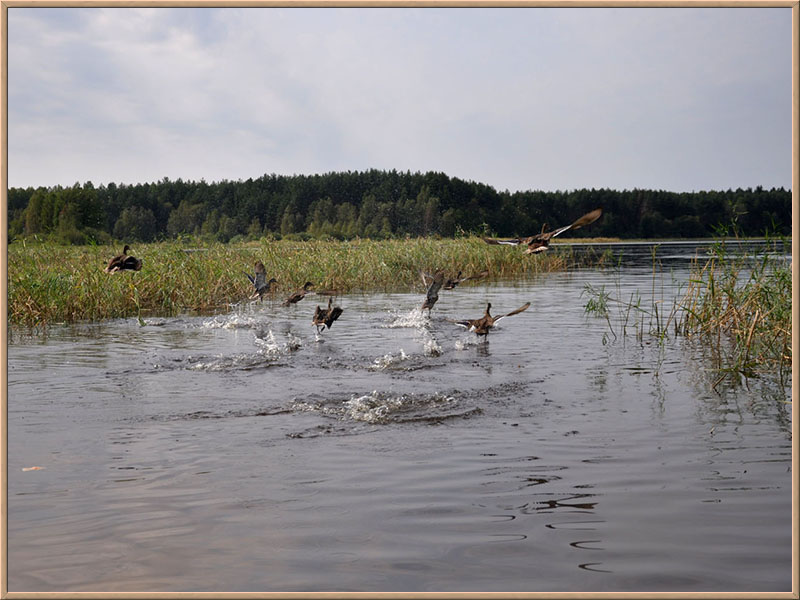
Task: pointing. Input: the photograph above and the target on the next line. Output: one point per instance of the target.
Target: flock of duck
(325, 317)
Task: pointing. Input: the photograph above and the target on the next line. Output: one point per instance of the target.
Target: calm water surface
(395, 452)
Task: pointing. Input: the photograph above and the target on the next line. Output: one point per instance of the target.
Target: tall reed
(742, 308)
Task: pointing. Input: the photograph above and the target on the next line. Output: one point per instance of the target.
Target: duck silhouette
(432, 293)
(482, 325)
(124, 262)
(450, 284)
(324, 317)
(299, 294)
(259, 281)
(541, 241)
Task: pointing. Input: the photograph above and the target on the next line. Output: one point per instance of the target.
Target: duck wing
(436, 284)
(468, 323)
(131, 263)
(319, 316)
(480, 275)
(332, 315)
(522, 308)
(432, 293)
(260, 280)
(114, 264)
(296, 297)
(512, 242)
(586, 219)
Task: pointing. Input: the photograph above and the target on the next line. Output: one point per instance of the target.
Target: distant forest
(376, 204)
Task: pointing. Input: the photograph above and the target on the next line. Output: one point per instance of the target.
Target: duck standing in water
(259, 281)
(324, 317)
(432, 294)
(487, 321)
(452, 283)
(124, 262)
(299, 294)
(541, 241)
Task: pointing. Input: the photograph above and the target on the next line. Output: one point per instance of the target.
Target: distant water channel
(241, 452)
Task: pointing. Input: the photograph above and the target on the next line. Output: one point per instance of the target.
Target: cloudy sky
(520, 99)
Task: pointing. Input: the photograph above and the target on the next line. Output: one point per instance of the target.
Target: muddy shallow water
(395, 452)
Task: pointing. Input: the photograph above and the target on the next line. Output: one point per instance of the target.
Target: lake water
(242, 452)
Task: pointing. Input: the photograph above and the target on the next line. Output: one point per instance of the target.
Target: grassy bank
(51, 284)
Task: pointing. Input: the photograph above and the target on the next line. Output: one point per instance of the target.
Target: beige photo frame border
(6, 4)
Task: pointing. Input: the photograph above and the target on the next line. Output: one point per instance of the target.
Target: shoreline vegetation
(739, 308)
(51, 284)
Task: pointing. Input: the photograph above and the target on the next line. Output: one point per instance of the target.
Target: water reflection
(239, 452)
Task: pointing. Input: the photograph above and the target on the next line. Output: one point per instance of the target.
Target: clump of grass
(740, 309)
(50, 284)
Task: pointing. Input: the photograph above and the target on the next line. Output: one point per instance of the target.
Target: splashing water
(231, 321)
(467, 342)
(388, 360)
(432, 348)
(415, 318)
(372, 408)
(268, 350)
(269, 346)
(377, 407)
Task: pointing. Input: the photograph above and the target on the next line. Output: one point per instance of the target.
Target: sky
(679, 99)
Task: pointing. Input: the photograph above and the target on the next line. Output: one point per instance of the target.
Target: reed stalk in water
(740, 309)
(50, 284)
(744, 309)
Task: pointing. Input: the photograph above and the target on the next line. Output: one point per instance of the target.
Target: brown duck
(124, 262)
(432, 294)
(299, 294)
(259, 281)
(324, 317)
(486, 322)
(541, 241)
(450, 284)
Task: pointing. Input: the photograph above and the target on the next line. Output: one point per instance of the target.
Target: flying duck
(432, 295)
(299, 294)
(123, 262)
(326, 316)
(450, 284)
(259, 281)
(486, 322)
(541, 241)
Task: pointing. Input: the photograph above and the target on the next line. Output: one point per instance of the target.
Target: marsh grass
(55, 284)
(742, 309)
(737, 306)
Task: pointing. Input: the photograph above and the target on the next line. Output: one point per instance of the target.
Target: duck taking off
(450, 284)
(324, 317)
(486, 322)
(432, 294)
(299, 294)
(259, 281)
(541, 241)
(124, 262)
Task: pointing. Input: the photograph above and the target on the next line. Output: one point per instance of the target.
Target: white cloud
(519, 99)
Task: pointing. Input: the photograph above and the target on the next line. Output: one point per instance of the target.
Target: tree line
(376, 204)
